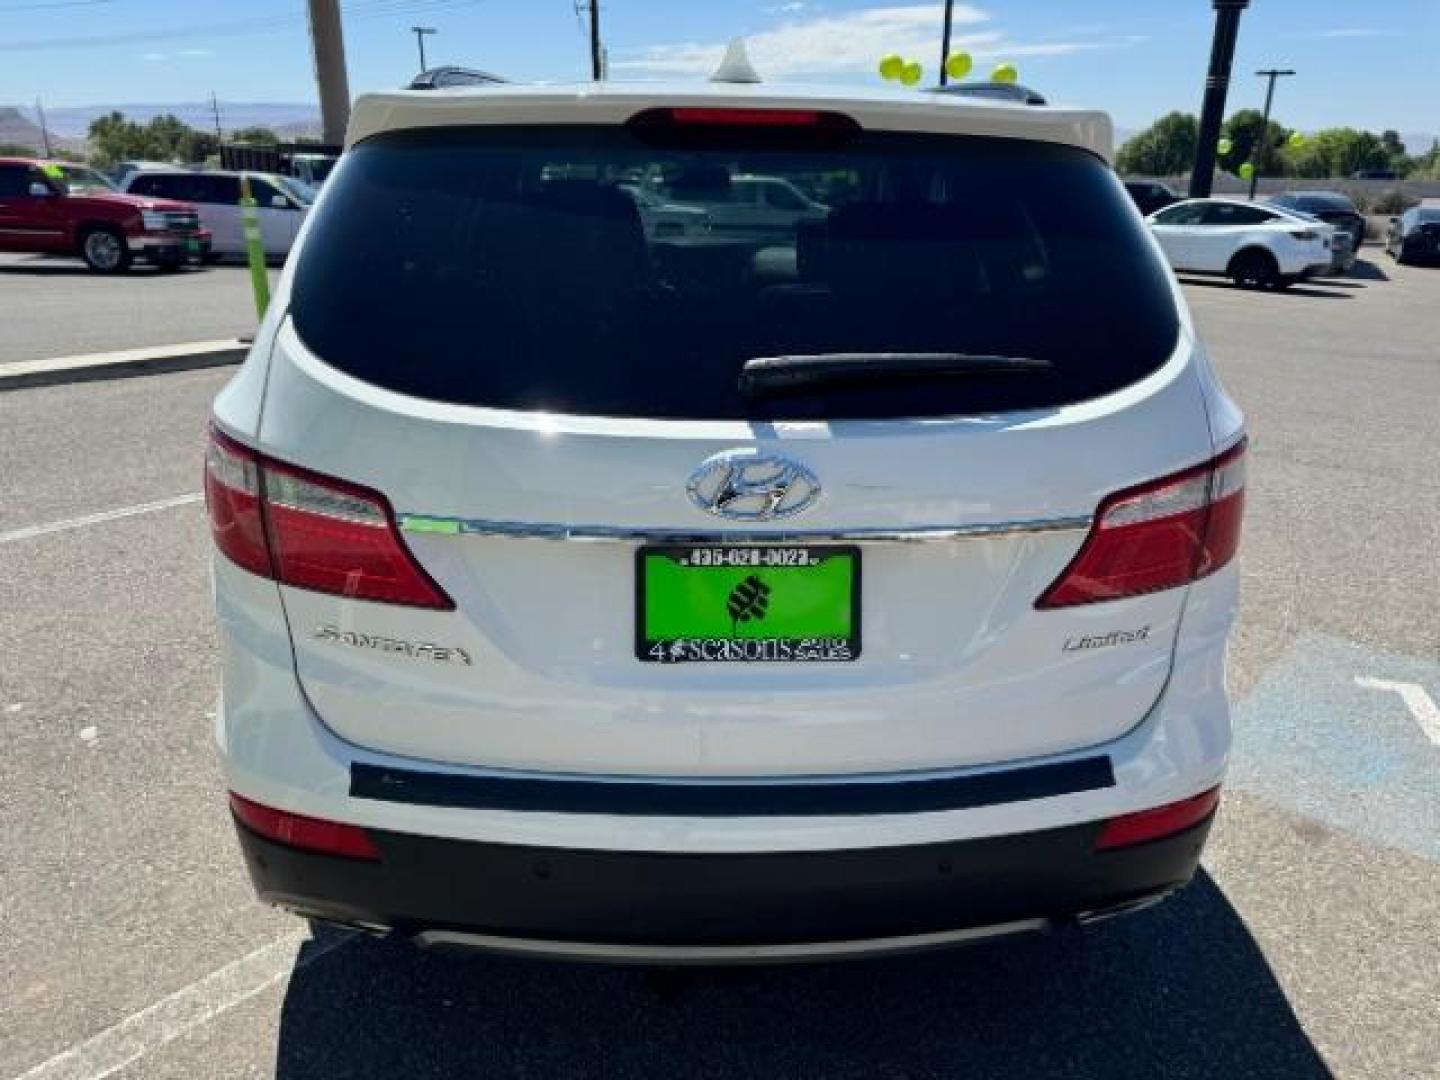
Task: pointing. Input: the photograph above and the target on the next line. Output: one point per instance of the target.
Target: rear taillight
(299, 831)
(1158, 535)
(310, 531)
(1157, 823)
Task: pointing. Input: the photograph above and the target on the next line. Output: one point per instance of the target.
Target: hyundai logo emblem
(745, 485)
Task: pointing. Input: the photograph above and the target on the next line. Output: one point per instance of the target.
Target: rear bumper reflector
(828, 797)
(308, 833)
(1157, 823)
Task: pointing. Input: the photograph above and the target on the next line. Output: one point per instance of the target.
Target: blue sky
(1370, 64)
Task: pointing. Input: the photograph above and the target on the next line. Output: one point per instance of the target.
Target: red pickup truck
(60, 208)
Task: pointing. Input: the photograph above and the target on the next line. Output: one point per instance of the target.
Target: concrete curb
(152, 360)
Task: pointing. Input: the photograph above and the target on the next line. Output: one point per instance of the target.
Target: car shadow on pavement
(1181, 990)
(49, 269)
(1308, 290)
(1366, 270)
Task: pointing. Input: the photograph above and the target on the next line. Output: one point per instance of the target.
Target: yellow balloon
(911, 73)
(1005, 73)
(958, 65)
(1247, 171)
(891, 65)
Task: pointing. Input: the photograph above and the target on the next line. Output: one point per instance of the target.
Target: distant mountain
(19, 130)
(286, 118)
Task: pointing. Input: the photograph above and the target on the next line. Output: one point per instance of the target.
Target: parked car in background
(1414, 236)
(1329, 206)
(742, 204)
(1254, 245)
(41, 212)
(576, 598)
(281, 207)
(81, 179)
(121, 171)
(1342, 254)
(660, 217)
(1151, 195)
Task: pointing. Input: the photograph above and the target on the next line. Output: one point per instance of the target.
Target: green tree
(262, 136)
(113, 138)
(1336, 152)
(1165, 148)
(1243, 131)
(163, 138)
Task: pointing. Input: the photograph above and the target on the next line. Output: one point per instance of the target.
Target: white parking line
(32, 531)
(183, 1011)
(1420, 704)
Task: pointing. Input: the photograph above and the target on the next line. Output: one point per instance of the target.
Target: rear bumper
(162, 247)
(721, 906)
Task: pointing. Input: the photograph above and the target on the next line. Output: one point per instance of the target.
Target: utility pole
(597, 63)
(44, 128)
(1217, 83)
(215, 111)
(945, 39)
(1263, 142)
(420, 32)
(328, 42)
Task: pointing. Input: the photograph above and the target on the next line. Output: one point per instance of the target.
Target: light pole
(420, 32)
(945, 39)
(328, 41)
(1263, 142)
(597, 59)
(1217, 82)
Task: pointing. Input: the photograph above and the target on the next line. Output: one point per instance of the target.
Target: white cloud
(1354, 32)
(820, 44)
(196, 52)
(853, 43)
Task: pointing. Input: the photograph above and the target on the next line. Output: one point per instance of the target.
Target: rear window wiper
(777, 374)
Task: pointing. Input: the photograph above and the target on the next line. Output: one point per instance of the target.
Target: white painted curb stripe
(1420, 704)
(32, 531)
(183, 1011)
(121, 356)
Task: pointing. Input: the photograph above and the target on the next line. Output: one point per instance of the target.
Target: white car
(742, 204)
(1257, 246)
(281, 205)
(663, 218)
(583, 603)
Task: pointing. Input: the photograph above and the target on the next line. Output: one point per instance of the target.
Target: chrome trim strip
(728, 954)
(425, 523)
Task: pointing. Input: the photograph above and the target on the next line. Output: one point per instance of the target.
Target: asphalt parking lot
(131, 946)
(56, 307)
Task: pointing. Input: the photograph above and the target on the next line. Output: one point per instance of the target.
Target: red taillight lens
(747, 117)
(232, 495)
(1157, 823)
(1158, 535)
(312, 834)
(311, 531)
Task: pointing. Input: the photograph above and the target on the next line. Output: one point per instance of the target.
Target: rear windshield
(593, 270)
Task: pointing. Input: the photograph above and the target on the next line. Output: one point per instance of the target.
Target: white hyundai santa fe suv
(696, 597)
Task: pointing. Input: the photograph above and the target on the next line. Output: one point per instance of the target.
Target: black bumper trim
(730, 798)
(694, 899)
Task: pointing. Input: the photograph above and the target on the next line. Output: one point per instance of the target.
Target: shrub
(1392, 202)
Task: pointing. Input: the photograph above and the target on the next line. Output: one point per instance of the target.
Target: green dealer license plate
(739, 603)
